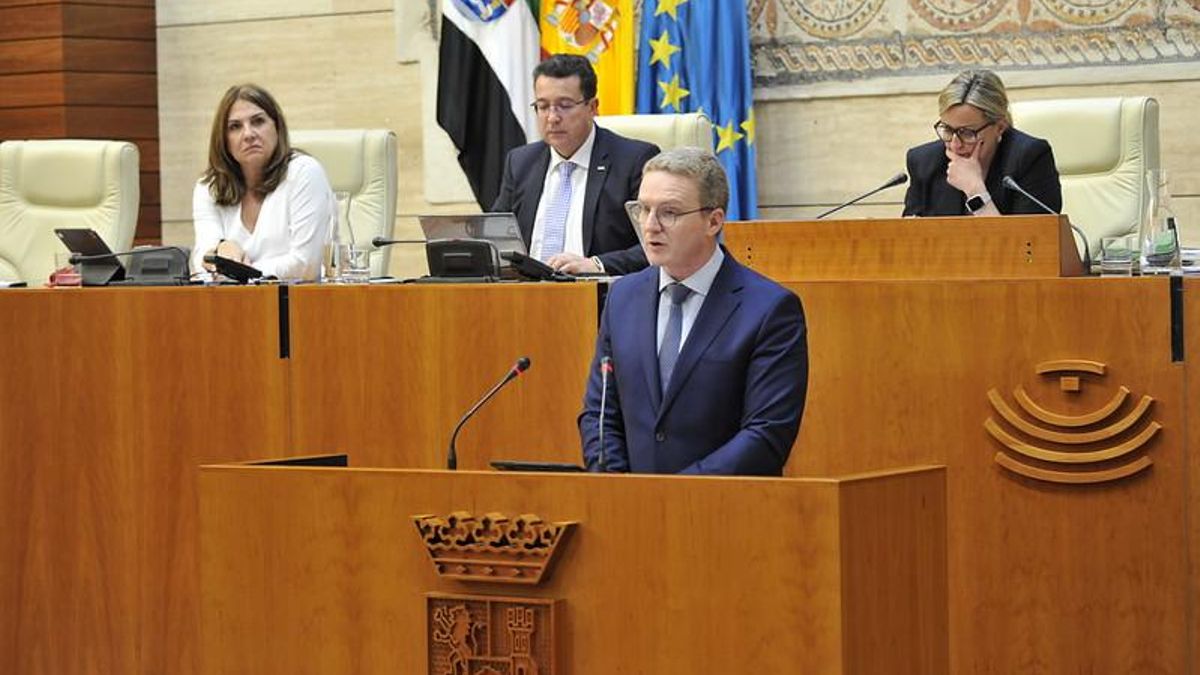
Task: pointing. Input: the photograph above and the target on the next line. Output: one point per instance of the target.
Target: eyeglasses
(667, 217)
(563, 107)
(965, 134)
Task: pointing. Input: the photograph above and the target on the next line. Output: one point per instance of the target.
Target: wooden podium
(325, 570)
(994, 247)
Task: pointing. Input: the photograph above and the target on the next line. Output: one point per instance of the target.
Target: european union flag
(694, 55)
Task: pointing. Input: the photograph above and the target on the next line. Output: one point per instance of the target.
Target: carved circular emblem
(1090, 12)
(832, 18)
(957, 15)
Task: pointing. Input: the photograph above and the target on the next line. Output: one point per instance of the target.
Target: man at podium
(701, 364)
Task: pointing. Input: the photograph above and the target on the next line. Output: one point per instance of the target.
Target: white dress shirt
(294, 223)
(700, 283)
(573, 242)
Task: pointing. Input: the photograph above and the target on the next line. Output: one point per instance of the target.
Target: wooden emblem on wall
(1095, 447)
(486, 635)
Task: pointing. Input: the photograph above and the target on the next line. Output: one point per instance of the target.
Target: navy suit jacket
(737, 392)
(614, 177)
(1028, 159)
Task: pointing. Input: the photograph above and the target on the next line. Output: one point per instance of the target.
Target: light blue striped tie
(554, 231)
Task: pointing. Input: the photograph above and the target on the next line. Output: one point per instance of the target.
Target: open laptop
(499, 229)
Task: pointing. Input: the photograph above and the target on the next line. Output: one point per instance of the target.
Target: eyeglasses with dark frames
(965, 134)
(563, 107)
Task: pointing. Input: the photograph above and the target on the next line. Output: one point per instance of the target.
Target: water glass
(354, 264)
(1117, 255)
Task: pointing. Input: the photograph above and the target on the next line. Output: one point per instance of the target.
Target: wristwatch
(977, 202)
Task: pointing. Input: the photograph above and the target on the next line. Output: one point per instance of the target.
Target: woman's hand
(966, 172)
(226, 249)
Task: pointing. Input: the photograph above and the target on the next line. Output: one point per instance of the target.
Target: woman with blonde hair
(962, 172)
(260, 201)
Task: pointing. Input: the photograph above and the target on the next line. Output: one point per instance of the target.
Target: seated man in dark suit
(569, 190)
(709, 359)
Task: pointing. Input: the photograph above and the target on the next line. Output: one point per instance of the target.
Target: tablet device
(85, 242)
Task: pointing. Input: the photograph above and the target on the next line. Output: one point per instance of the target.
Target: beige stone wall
(362, 63)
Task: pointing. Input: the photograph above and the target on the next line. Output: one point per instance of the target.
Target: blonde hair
(981, 89)
(224, 176)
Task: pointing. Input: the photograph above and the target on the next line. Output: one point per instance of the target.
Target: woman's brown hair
(224, 176)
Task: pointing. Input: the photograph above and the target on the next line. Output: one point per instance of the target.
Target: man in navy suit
(709, 359)
(569, 190)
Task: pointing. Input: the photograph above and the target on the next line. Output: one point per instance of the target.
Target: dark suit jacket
(1029, 160)
(613, 178)
(737, 392)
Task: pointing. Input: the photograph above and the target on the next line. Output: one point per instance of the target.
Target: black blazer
(1029, 160)
(613, 178)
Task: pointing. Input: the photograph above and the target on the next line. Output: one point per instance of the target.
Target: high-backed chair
(50, 184)
(361, 163)
(1103, 148)
(665, 131)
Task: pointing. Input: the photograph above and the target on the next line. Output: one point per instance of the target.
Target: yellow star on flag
(663, 49)
(748, 127)
(673, 94)
(669, 7)
(728, 137)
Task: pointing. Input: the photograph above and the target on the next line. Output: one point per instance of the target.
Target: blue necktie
(668, 354)
(554, 229)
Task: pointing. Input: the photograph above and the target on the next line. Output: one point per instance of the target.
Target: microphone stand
(452, 454)
(896, 180)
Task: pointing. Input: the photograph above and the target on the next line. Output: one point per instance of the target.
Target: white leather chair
(361, 163)
(1103, 148)
(665, 131)
(48, 184)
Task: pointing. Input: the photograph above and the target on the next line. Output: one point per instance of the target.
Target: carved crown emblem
(492, 548)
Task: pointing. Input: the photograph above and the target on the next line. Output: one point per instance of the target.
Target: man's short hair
(701, 166)
(561, 66)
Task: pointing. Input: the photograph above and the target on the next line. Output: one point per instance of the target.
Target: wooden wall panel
(109, 399)
(84, 70)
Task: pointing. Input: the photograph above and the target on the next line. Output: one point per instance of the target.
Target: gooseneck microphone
(77, 258)
(1013, 185)
(519, 367)
(380, 242)
(606, 368)
(898, 179)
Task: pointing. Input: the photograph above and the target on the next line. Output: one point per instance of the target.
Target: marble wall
(372, 63)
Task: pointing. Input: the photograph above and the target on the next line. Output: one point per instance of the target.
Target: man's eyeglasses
(965, 134)
(667, 217)
(563, 107)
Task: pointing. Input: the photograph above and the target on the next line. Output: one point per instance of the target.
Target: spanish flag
(604, 32)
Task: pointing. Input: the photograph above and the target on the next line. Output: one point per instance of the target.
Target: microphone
(145, 267)
(898, 179)
(380, 242)
(1013, 185)
(606, 367)
(519, 367)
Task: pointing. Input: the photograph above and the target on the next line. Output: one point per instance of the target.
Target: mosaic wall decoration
(806, 42)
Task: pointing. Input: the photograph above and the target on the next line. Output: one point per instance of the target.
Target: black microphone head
(1011, 184)
(522, 365)
(898, 179)
(74, 259)
(380, 242)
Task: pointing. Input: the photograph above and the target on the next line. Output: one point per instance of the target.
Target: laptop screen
(500, 229)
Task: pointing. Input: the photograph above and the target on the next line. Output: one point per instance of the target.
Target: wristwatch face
(975, 203)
